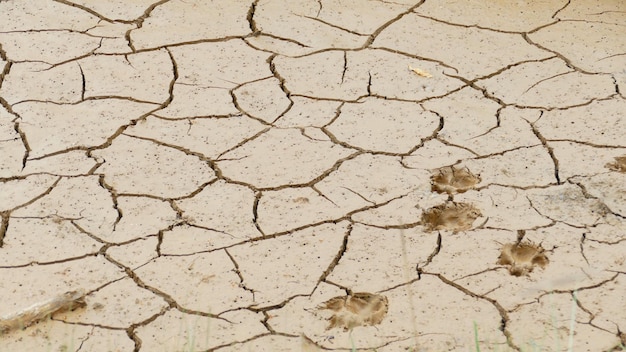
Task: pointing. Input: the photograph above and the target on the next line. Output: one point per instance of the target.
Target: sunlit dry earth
(312, 175)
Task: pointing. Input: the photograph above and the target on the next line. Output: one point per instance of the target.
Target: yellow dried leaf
(420, 72)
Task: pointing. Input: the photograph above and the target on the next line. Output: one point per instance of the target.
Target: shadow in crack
(450, 216)
(522, 258)
(453, 180)
(619, 165)
(357, 309)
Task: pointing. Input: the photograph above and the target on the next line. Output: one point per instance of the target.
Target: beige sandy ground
(313, 175)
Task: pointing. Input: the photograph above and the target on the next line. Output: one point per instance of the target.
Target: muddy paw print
(619, 165)
(357, 309)
(450, 216)
(522, 258)
(450, 180)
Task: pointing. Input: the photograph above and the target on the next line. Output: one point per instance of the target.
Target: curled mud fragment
(619, 165)
(450, 216)
(67, 301)
(450, 180)
(357, 309)
(522, 258)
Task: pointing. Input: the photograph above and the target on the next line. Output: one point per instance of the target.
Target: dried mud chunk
(619, 165)
(450, 216)
(522, 258)
(358, 309)
(452, 180)
(40, 311)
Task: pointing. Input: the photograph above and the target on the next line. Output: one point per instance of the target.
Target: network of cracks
(273, 172)
(355, 309)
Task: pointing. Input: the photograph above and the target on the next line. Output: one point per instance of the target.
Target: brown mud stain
(301, 200)
(453, 180)
(450, 216)
(357, 309)
(619, 165)
(522, 258)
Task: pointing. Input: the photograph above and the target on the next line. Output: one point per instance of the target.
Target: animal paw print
(357, 309)
(450, 180)
(619, 165)
(450, 216)
(522, 258)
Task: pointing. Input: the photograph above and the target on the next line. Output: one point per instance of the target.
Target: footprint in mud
(522, 258)
(450, 180)
(619, 165)
(357, 309)
(450, 216)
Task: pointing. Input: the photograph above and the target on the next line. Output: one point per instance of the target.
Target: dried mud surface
(312, 175)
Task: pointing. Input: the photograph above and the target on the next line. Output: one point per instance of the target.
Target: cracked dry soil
(312, 175)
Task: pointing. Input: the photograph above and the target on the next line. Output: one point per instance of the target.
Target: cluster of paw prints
(363, 308)
(520, 257)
